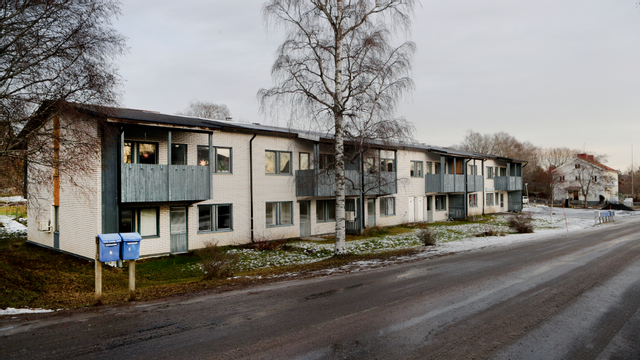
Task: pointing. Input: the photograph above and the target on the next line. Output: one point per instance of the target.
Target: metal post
(98, 271)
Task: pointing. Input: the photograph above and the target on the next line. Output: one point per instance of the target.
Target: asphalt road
(575, 296)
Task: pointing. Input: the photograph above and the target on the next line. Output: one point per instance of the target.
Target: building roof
(154, 117)
(591, 160)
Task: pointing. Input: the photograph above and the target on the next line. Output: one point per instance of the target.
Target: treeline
(539, 160)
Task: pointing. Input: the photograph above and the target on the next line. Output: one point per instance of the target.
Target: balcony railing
(157, 183)
(475, 183)
(508, 183)
(322, 183)
(444, 183)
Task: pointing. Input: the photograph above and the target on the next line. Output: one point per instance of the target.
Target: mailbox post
(115, 247)
(130, 250)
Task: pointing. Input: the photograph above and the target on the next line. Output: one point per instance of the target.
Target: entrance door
(411, 212)
(430, 208)
(501, 201)
(179, 229)
(352, 222)
(371, 212)
(420, 208)
(305, 218)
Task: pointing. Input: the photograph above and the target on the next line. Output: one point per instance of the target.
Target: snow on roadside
(10, 225)
(14, 311)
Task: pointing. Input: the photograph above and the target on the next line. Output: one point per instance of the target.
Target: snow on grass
(12, 199)
(10, 225)
(450, 238)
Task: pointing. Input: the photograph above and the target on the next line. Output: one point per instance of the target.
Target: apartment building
(181, 182)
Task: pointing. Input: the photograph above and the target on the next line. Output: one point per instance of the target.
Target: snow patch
(14, 311)
(11, 225)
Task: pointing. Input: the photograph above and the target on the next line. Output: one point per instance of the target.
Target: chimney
(591, 157)
(583, 156)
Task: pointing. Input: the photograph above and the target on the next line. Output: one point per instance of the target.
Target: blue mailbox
(109, 247)
(130, 248)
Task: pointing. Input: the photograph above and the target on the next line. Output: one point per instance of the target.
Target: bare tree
(53, 52)
(338, 68)
(207, 110)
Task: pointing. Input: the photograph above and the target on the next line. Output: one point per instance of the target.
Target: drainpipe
(466, 189)
(483, 188)
(251, 180)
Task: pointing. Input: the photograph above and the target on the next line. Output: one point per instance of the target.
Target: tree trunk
(340, 242)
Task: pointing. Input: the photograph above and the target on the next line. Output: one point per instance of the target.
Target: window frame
(490, 199)
(186, 149)
(326, 161)
(215, 157)
(490, 172)
(278, 215)
(135, 221)
(443, 203)
(385, 162)
(325, 211)
(277, 162)
(308, 160)
(413, 169)
(135, 151)
(473, 200)
(384, 206)
(213, 220)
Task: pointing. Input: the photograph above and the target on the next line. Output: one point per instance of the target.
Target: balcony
(444, 183)
(321, 183)
(508, 183)
(475, 183)
(158, 183)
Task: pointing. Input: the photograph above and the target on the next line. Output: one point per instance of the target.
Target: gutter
(251, 182)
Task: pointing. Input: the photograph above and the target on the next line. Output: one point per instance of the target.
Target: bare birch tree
(338, 69)
(54, 52)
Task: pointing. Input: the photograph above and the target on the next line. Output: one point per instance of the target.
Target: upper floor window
(221, 154)
(416, 168)
(429, 169)
(277, 162)
(503, 171)
(327, 161)
(489, 172)
(140, 152)
(178, 154)
(577, 166)
(473, 170)
(387, 165)
(304, 161)
(437, 168)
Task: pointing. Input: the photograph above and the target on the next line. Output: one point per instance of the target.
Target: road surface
(575, 296)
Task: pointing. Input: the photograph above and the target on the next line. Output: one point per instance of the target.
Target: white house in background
(586, 175)
(182, 181)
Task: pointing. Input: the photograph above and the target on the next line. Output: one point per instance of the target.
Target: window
(577, 166)
(327, 161)
(428, 170)
(325, 210)
(221, 154)
(178, 154)
(416, 168)
(140, 153)
(437, 168)
(473, 200)
(386, 165)
(561, 178)
(473, 170)
(143, 221)
(277, 162)
(304, 161)
(490, 199)
(503, 171)
(279, 213)
(594, 178)
(441, 202)
(214, 217)
(489, 172)
(387, 206)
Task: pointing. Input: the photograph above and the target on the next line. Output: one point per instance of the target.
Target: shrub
(489, 232)
(265, 245)
(217, 263)
(374, 231)
(426, 235)
(522, 223)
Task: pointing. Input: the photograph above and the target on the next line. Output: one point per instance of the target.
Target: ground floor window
(279, 213)
(490, 199)
(215, 217)
(473, 200)
(387, 206)
(325, 210)
(441, 202)
(141, 220)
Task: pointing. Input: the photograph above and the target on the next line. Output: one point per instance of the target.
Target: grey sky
(553, 72)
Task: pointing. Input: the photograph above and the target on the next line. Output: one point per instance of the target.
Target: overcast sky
(552, 72)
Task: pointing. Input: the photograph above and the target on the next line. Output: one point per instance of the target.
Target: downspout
(251, 181)
(466, 189)
(484, 189)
